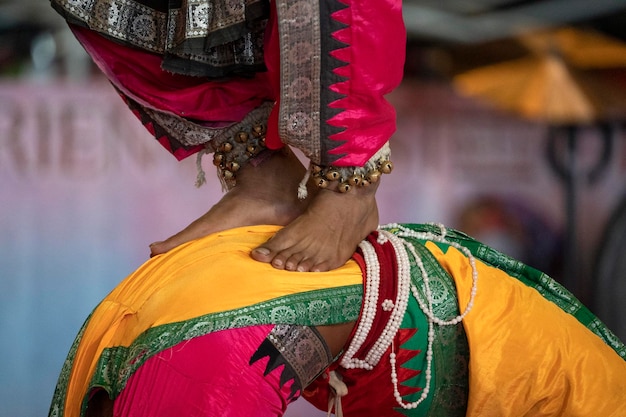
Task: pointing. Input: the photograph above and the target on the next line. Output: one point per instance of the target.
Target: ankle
(277, 175)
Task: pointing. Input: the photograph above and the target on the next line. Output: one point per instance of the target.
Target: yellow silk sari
(534, 350)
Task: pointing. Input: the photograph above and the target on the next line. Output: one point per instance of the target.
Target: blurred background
(511, 127)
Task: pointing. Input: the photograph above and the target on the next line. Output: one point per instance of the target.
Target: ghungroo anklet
(232, 154)
(344, 179)
(236, 145)
(235, 152)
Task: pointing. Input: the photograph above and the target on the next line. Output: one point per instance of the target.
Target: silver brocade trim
(190, 134)
(125, 20)
(156, 31)
(205, 16)
(303, 348)
(300, 68)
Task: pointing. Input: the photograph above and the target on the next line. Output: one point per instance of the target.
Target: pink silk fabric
(138, 75)
(180, 381)
(374, 57)
(376, 39)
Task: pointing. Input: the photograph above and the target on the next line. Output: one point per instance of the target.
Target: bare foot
(265, 194)
(326, 235)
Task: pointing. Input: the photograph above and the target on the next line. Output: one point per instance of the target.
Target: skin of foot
(321, 233)
(264, 194)
(326, 235)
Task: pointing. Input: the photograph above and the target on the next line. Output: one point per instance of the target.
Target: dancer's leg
(317, 238)
(213, 385)
(99, 405)
(335, 62)
(354, 122)
(266, 191)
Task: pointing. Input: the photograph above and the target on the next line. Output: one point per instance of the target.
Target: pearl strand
(428, 372)
(398, 308)
(404, 282)
(429, 348)
(369, 308)
(405, 232)
(428, 309)
(402, 299)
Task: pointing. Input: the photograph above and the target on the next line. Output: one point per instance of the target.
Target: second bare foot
(264, 194)
(326, 235)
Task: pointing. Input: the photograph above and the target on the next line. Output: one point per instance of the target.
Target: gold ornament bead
(232, 166)
(374, 176)
(365, 183)
(262, 141)
(355, 180)
(333, 175)
(228, 175)
(226, 147)
(252, 149)
(386, 167)
(258, 130)
(241, 137)
(344, 187)
(322, 183)
(316, 169)
(218, 157)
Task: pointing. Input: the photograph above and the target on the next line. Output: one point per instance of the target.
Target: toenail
(277, 262)
(262, 251)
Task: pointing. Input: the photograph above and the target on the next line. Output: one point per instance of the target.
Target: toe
(157, 248)
(266, 255)
(321, 267)
(168, 244)
(305, 265)
(293, 262)
(278, 262)
(262, 254)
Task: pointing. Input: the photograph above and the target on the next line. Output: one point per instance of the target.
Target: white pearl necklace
(402, 300)
(372, 284)
(428, 308)
(405, 232)
(370, 304)
(398, 308)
